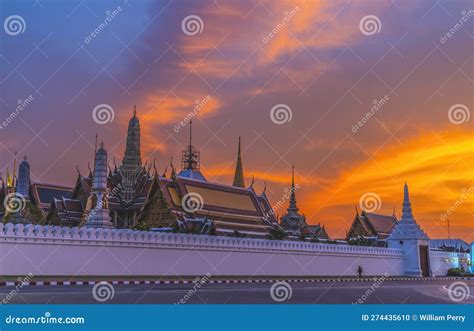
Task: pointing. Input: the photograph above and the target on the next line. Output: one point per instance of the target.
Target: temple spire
(97, 213)
(407, 226)
(406, 211)
(239, 171)
(23, 182)
(190, 156)
(293, 207)
(190, 147)
(132, 161)
(132, 158)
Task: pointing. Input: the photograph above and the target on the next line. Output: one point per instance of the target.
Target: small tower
(22, 194)
(97, 212)
(409, 237)
(190, 156)
(190, 160)
(23, 183)
(293, 221)
(239, 170)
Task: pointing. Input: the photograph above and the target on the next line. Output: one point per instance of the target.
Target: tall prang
(132, 161)
(239, 170)
(409, 237)
(97, 213)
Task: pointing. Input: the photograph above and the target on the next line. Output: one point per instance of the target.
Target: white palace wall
(48, 250)
(441, 261)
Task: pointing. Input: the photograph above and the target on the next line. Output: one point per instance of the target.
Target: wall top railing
(438, 253)
(83, 235)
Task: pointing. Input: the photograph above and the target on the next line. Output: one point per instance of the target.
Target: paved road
(395, 292)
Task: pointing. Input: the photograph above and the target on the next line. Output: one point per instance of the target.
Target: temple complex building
(371, 228)
(135, 196)
(198, 206)
(129, 188)
(32, 199)
(294, 224)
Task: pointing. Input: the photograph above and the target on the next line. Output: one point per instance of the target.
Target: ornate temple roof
(45, 194)
(230, 208)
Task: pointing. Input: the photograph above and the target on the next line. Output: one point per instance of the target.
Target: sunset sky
(319, 63)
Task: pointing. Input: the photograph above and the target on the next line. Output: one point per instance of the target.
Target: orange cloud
(171, 108)
(438, 170)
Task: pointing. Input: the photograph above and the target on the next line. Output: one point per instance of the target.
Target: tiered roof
(374, 225)
(231, 209)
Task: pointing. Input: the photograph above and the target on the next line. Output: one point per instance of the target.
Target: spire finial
(190, 134)
(239, 170)
(135, 110)
(293, 176)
